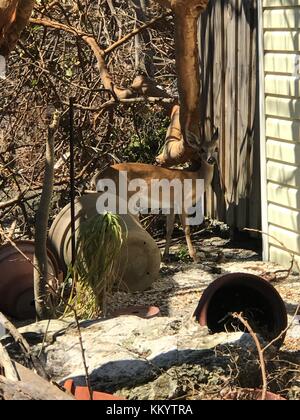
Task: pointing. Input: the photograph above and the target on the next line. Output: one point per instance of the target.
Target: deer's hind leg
(187, 232)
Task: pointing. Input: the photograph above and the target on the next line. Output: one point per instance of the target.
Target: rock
(178, 382)
(294, 331)
(45, 330)
(127, 351)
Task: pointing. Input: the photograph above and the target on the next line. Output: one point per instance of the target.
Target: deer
(147, 173)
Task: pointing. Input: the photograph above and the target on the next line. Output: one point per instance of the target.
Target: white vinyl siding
(281, 37)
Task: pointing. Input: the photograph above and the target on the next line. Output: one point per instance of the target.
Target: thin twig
(125, 101)
(277, 240)
(260, 352)
(284, 331)
(135, 32)
(272, 276)
(87, 376)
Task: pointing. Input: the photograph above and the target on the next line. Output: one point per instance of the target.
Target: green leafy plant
(97, 263)
(148, 138)
(183, 254)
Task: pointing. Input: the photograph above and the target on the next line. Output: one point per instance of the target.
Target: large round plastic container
(140, 256)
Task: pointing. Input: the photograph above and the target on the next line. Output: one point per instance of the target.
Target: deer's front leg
(187, 232)
(170, 229)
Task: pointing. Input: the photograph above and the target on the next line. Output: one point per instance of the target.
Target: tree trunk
(188, 69)
(14, 16)
(42, 216)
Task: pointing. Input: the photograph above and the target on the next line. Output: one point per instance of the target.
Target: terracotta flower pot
(16, 279)
(146, 312)
(82, 393)
(140, 256)
(242, 292)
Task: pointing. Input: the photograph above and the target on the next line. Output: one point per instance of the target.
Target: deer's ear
(215, 137)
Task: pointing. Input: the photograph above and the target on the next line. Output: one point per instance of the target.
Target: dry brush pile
(116, 60)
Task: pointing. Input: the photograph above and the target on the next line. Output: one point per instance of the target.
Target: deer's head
(209, 147)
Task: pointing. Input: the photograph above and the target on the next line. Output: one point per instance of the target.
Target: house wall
(281, 73)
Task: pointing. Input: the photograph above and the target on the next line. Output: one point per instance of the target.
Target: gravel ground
(181, 283)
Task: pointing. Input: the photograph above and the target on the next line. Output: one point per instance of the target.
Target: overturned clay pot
(146, 312)
(16, 279)
(82, 393)
(254, 297)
